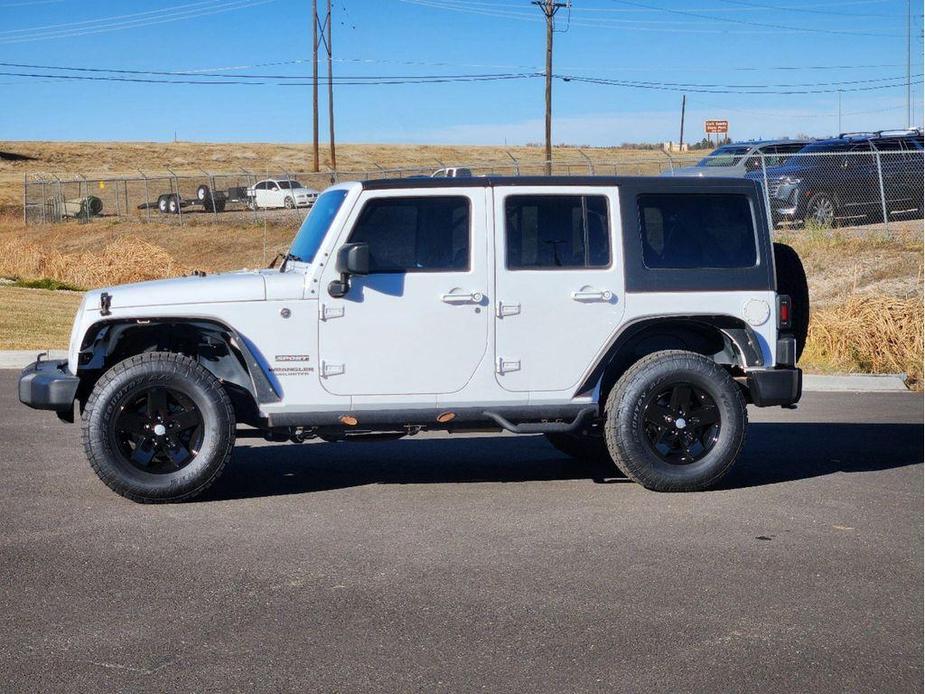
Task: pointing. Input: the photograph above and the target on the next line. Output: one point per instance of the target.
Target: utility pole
(331, 86)
(549, 9)
(683, 107)
(909, 117)
(315, 159)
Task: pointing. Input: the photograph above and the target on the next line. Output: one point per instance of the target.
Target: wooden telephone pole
(331, 87)
(316, 163)
(549, 9)
(317, 39)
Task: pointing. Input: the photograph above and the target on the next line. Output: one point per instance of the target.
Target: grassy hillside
(127, 158)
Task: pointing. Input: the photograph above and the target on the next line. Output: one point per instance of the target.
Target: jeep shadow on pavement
(630, 320)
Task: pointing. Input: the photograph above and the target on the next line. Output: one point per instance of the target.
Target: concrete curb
(855, 383)
(812, 383)
(19, 358)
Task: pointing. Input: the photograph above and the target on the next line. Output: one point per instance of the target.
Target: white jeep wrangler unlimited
(627, 319)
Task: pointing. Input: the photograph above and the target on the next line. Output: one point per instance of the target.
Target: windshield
(725, 156)
(779, 154)
(290, 184)
(316, 225)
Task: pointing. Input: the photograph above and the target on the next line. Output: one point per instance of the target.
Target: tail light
(783, 312)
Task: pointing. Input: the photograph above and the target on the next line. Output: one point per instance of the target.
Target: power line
(166, 15)
(339, 81)
(461, 77)
(698, 28)
(765, 25)
(721, 90)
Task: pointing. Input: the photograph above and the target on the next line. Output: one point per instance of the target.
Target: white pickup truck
(629, 319)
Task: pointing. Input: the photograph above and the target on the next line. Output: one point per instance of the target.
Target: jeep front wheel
(675, 422)
(158, 427)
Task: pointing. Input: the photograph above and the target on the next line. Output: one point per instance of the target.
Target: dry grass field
(866, 286)
(35, 318)
(127, 158)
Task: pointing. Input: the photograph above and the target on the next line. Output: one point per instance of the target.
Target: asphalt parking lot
(473, 563)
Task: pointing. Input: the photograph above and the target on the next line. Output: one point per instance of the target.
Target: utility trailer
(206, 198)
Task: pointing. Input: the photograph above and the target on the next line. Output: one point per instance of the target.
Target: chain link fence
(809, 191)
(256, 195)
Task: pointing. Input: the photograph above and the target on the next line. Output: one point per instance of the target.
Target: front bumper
(47, 385)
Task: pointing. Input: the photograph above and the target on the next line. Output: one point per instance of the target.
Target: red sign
(717, 127)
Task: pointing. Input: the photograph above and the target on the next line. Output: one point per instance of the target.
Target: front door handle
(587, 294)
(472, 298)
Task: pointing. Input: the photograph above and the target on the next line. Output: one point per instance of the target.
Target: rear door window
(683, 230)
(550, 232)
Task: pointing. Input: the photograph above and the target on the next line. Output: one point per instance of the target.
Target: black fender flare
(746, 348)
(219, 348)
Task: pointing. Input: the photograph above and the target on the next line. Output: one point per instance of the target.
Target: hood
(231, 286)
(774, 172)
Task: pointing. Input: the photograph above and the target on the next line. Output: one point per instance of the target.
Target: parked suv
(736, 160)
(627, 319)
(830, 182)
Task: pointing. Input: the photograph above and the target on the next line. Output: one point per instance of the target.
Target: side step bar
(544, 427)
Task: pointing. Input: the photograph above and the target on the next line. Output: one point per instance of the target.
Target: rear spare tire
(158, 427)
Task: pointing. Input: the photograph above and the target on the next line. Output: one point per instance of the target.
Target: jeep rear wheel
(158, 427)
(675, 422)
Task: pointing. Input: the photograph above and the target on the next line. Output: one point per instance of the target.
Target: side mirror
(352, 259)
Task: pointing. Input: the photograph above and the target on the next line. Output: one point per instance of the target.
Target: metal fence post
(587, 159)
(175, 189)
(886, 219)
(516, 163)
(670, 160)
(767, 194)
(144, 178)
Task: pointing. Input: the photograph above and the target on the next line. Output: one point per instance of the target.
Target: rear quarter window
(690, 231)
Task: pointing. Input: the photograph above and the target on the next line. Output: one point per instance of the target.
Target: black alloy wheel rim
(158, 430)
(682, 423)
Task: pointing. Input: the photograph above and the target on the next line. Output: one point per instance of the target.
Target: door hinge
(329, 312)
(506, 365)
(507, 309)
(328, 369)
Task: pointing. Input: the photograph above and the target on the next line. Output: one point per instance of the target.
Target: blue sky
(858, 43)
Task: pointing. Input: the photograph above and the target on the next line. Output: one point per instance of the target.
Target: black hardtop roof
(652, 184)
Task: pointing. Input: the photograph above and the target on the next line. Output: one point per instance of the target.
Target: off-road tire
(127, 379)
(625, 425)
(202, 192)
(791, 280)
(581, 447)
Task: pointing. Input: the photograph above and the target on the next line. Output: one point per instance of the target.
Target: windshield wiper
(286, 258)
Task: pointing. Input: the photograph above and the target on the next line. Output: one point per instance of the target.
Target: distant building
(674, 147)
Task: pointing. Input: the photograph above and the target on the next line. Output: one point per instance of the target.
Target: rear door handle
(472, 298)
(592, 295)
